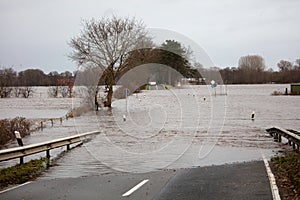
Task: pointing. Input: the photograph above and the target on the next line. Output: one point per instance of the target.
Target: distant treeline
(31, 77)
(235, 75)
(251, 70)
(245, 74)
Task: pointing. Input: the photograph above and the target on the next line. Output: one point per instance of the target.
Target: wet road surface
(236, 181)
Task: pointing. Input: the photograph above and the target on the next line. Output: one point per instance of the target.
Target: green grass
(22, 173)
(287, 172)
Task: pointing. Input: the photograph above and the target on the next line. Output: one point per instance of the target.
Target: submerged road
(235, 181)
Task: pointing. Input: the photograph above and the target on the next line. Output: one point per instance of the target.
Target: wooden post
(290, 143)
(60, 120)
(294, 145)
(42, 125)
(68, 147)
(279, 138)
(52, 122)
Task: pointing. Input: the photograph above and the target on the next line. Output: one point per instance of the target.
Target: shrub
(53, 91)
(276, 93)
(287, 172)
(76, 112)
(8, 127)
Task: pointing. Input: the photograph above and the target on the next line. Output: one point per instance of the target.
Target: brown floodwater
(177, 128)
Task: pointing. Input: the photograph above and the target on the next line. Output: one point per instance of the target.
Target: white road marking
(274, 188)
(12, 188)
(129, 192)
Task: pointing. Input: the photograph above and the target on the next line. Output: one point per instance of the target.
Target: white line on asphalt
(12, 188)
(274, 188)
(129, 192)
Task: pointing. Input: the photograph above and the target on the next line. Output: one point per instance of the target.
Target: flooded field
(37, 107)
(161, 129)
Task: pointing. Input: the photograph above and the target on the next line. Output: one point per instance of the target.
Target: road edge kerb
(274, 187)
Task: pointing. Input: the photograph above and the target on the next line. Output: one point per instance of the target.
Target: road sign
(213, 84)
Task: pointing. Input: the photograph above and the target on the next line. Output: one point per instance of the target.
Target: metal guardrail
(291, 135)
(20, 152)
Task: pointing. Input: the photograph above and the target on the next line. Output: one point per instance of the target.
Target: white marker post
(126, 96)
(253, 115)
(126, 106)
(19, 138)
(20, 142)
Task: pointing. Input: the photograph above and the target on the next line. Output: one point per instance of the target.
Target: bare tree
(104, 43)
(284, 65)
(26, 91)
(7, 80)
(53, 91)
(5, 91)
(297, 65)
(17, 91)
(252, 62)
(64, 91)
(87, 80)
(251, 69)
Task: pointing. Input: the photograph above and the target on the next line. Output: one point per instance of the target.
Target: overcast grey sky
(34, 33)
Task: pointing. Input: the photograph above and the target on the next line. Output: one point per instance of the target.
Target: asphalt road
(237, 181)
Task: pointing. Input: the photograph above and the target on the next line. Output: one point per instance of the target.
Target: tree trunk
(96, 101)
(108, 101)
(110, 81)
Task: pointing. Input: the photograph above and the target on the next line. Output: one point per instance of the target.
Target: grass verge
(22, 173)
(287, 172)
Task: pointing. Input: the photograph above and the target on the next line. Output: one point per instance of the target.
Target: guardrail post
(68, 147)
(48, 153)
(279, 138)
(52, 122)
(292, 136)
(48, 156)
(21, 160)
(276, 136)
